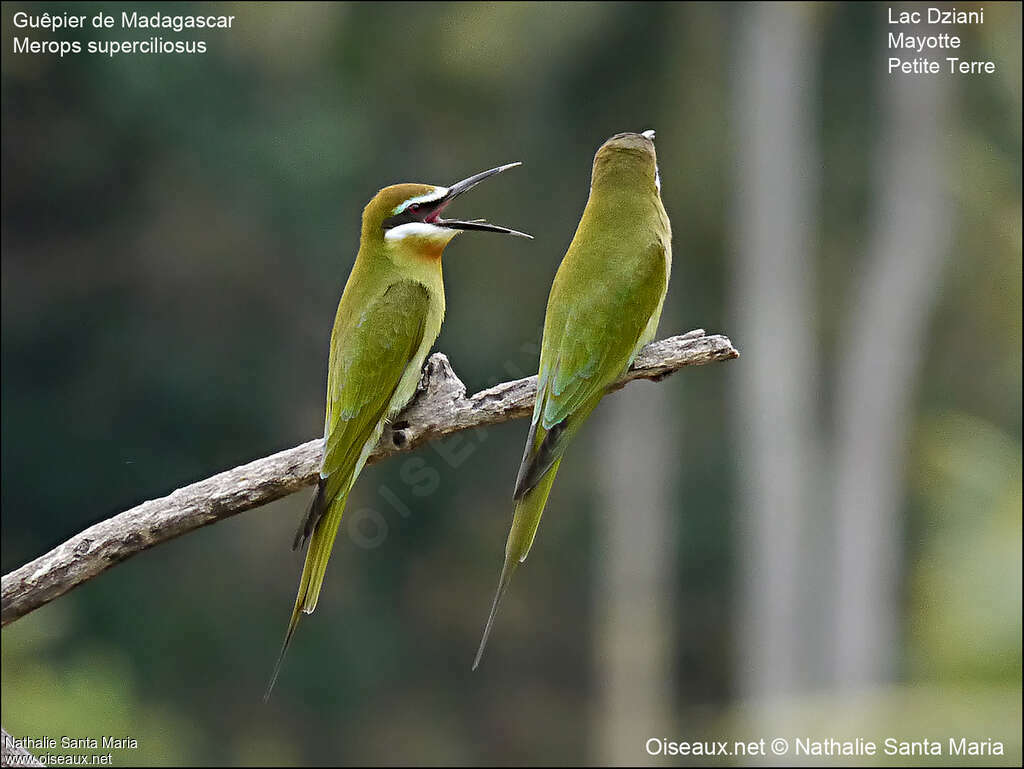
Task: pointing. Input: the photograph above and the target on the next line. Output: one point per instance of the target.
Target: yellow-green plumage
(388, 318)
(604, 305)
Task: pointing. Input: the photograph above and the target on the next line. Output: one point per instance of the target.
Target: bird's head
(409, 215)
(628, 158)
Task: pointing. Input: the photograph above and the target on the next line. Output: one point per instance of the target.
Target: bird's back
(613, 277)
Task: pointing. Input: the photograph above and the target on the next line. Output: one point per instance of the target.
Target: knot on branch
(439, 380)
(439, 395)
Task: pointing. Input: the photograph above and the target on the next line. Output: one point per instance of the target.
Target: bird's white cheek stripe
(417, 229)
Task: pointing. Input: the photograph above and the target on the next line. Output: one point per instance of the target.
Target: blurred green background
(822, 538)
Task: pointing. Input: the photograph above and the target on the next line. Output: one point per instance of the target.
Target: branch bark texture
(441, 407)
(12, 754)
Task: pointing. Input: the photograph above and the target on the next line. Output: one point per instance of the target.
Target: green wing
(369, 355)
(592, 335)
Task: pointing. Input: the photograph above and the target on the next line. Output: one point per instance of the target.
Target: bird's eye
(414, 207)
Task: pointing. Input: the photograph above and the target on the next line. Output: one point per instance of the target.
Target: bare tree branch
(12, 754)
(439, 409)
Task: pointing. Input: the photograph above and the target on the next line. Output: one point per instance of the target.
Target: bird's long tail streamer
(317, 556)
(529, 509)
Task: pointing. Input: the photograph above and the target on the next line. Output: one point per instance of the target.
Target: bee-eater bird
(388, 318)
(604, 305)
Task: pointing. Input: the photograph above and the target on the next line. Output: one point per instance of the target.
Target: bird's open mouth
(430, 213)
(434, 217)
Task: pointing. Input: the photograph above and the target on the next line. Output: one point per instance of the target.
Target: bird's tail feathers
(529, 509)
(317, 508)
(507, 570)
(313, 571)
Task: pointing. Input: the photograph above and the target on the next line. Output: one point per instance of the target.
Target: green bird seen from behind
(604, 305)
(388, 318)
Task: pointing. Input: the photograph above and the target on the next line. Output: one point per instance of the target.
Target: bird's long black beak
(467, 184)
(473, 224)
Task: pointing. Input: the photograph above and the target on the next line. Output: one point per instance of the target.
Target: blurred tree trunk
(881, 352)
(776, 388)
(634, 595)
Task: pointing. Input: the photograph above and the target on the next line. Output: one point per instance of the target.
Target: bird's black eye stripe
(398, 219)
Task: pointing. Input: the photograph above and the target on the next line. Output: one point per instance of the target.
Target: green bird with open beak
(605, 304)
(388, 318)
